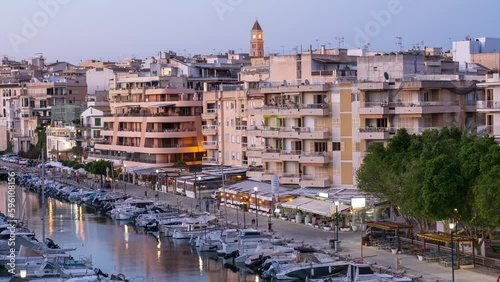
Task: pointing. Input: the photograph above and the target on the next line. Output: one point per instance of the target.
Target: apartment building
(151, 124)
(397, 93)
(60, 141)
(489, 107)
(225, 121)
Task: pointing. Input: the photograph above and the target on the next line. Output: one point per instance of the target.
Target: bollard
(397, 264)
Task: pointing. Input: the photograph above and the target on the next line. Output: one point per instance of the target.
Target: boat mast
(43, 196)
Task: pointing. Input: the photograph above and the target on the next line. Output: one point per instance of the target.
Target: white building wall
(98, 79)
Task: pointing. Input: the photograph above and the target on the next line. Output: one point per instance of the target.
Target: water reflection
(118, 247)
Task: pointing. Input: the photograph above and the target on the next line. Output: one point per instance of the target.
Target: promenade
(349, 246)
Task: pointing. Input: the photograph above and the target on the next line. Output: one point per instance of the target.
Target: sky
(76, 30)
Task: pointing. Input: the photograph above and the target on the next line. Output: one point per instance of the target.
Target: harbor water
(118, 247)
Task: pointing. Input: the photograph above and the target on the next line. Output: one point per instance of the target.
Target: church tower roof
(256, 26)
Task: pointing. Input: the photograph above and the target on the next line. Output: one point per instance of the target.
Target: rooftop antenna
(400, 43)
(340, 41)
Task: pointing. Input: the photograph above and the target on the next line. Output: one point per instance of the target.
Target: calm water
(117, 247)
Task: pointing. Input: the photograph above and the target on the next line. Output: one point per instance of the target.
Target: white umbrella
(81, 171)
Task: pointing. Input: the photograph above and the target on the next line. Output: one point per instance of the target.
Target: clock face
(260, 36)
(254, 36)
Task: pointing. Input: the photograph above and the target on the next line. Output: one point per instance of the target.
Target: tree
(99, 168)
(438, 175)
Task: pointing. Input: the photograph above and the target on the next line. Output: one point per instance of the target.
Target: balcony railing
(290, 152)
(209, 143)
(409, 104)
(210, 111)
(208, 127)
(488, 104)
(241, 127)
(209, 160)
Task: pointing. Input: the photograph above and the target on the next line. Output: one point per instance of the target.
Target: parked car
(13, 159)
(23, 161)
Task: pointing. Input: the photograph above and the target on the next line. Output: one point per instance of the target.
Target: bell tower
(257, 41)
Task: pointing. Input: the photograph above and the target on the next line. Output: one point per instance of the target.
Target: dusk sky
(75, 30)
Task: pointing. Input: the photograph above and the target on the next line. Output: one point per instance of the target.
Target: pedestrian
(157, 196)
(146, 193)
(207, 204)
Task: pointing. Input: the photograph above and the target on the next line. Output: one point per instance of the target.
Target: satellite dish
(386, 76)
(307, 82)
(326, 100)
(285, 83)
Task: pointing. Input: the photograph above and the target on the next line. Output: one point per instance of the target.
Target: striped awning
(444, 237)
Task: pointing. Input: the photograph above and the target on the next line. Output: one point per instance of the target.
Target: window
(232, 138)
(320, 146)
(97, 122)
(336, 146)
(237, 139)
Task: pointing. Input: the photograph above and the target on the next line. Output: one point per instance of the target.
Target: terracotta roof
(256, 26)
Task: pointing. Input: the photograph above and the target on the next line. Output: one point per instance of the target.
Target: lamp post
(156, 183)
(337, 203)
(244, 211)
(59, 156)
(198, 179)
(452, 226)
(125, 181)
(107, 173)
(255, 189)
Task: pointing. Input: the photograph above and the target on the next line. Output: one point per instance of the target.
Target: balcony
(209, 161)
(270, 154)
(268, 174)
(244, 146)
(253, 130)
(374, 108)
(171, 133)
(106, 157)
(488, 106)
(209, 114)
(290, 178)
(255, 172)
(254, 151)
(308, 133)
(314, 158)
(290, 156)
(315, 110)
(315, 181)
(427, 107)
(209, 129)
(210, 145)
(376, 133)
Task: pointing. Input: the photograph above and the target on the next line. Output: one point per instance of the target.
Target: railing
(292, 129)
(244, 145)
(170, 146)
(377, 129)
(293, 106)
(209, 160)
(209, 143)
(107, 157)
(322, 73)
(210, 111)
(409, 104)
(488, 104)
(148, 114)
(253, 147)
(290, 152)
(313, 177)
(272, 151)
(241, 127)
(208, 127)
(314, 154)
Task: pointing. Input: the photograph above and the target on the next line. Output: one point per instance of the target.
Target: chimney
(322, 50)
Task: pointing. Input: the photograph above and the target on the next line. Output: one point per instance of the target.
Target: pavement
(350, 242)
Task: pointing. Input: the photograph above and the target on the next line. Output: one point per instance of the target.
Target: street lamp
(199, 191)
(59, 157)
(255, 189)
(337, 203)
(156, 184)
(125, 181)
(452, 226)
(107, 173)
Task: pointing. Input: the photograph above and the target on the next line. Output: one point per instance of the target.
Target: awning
(160, 106)
(410, 115)
(319, 207)
(294, 204)
(128, 106)
(444, 237)
(371, 116)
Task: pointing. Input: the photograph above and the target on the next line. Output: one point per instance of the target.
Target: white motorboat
(313, 265)
(57, 265)
(362, 272)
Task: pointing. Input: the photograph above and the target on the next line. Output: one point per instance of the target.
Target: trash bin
(332, 243)
(364, 241)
